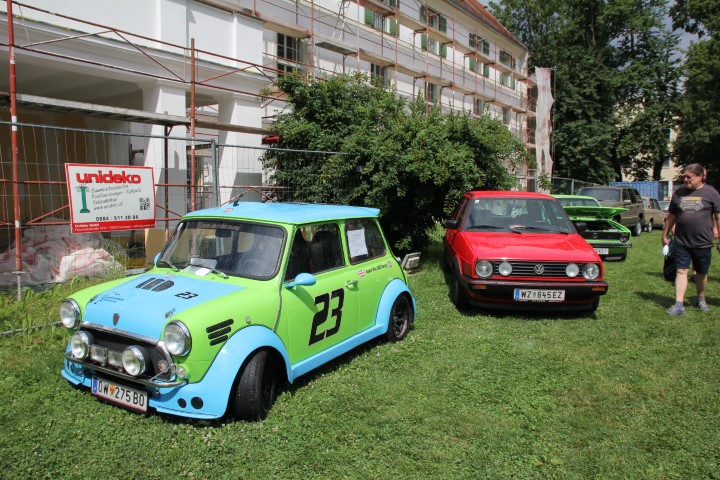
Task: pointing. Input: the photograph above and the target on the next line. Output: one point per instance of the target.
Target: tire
(637, 229)
(256, 388)
(401, 316)
(649, 226)
(457, 295)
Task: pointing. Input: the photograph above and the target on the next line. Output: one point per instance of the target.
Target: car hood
(593, 213)
(145, 303)
(552, 247)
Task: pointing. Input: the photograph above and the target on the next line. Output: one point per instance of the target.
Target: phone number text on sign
(110, 197)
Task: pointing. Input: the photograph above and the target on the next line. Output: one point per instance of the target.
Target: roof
(476, 9)
(292, 213)
(506, 194)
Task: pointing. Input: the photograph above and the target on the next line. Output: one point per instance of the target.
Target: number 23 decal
(322, 316)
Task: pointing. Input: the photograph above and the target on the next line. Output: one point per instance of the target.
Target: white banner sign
(110, 197)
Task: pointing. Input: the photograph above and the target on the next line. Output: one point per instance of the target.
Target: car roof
(292, 213)
(506, 193)
(584, 197)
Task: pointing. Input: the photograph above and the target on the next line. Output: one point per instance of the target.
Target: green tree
(699, 127)
(615, 80)
(393, 155)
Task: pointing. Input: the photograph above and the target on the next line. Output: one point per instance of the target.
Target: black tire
(649, 226)
(256, 388)
(637, 229)
(401, 316)
(457, 295)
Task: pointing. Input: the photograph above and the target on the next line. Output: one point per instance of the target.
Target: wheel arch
(235, 354)
(393, 290)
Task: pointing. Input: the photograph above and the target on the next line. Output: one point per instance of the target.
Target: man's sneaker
(702, 305)
(676, 309)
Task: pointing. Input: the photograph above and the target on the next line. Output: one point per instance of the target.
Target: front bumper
(500, 294)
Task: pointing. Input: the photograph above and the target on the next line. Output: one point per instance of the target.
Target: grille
(527, 269)
(115, 342)
(601, 236)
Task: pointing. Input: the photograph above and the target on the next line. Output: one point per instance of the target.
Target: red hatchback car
(519, 250)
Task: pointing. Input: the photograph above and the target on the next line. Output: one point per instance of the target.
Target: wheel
(637, 229)
(649, 226)
(256, 388)
(457, 295)
(400, 318)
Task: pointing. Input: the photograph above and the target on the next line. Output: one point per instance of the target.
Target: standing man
(693, 211)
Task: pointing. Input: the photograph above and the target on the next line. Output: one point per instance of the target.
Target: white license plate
(602, 251)
(528, 295)
(120, 394)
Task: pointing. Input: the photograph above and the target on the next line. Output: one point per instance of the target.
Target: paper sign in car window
(356, 242)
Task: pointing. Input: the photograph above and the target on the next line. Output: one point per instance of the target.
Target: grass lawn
(626, 393)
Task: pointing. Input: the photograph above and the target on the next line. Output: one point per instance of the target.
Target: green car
(595, 223)
(241, 299)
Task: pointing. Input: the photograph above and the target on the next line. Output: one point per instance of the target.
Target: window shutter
(443, 50)
(443, 24)
(423, 41)
(473, 64)
(392, 27)
(369, 17)
(423, 13)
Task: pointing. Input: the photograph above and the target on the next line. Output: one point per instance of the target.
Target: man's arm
(670, 223)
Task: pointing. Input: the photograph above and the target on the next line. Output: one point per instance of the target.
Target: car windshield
(518, 215)
(226, 247)
(602, 194)
(578, 202)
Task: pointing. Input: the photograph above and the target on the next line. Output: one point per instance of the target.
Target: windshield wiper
(167, 262)
(484, 227)
(209, 264)
(517, 228)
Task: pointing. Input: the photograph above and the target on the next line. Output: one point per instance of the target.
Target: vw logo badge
(539, 269)
(595, 235)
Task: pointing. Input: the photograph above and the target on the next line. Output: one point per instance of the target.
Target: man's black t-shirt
(694, 215)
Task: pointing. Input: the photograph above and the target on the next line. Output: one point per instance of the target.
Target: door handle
(351, 283)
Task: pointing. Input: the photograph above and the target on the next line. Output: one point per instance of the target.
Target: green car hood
(593, 213)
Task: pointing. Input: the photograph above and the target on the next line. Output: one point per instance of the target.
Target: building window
(379, 74)
(381, 23)
(506, 116)
(506, 59)
(288, 50)
(480, 107)
(438, 22)
(479, 44)
(507, 80)
(432, 92)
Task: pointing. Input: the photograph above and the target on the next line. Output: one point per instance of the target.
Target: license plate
(528, 295)
(120, 394)
(602, 251)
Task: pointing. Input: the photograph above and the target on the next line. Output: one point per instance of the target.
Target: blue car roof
(293, 213)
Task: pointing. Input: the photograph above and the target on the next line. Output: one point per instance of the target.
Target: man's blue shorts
(699, 257)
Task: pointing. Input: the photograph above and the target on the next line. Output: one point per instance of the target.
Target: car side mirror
(581, 226)
(451, 224)
(304, 279)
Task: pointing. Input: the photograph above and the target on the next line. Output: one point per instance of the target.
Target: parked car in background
(624, 197)
(654, 214)
(242, 298)
(519, 250)
(595, 223)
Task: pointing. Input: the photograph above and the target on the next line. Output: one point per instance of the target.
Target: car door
(321, 315)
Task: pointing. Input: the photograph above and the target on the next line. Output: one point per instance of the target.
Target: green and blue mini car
(241, 299)
(598, 225)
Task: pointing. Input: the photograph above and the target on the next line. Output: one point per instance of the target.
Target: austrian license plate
(530, 295)
(601, 251)
(120, 394)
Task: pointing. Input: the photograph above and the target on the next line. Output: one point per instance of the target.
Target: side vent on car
(156, 284)
(218, 333)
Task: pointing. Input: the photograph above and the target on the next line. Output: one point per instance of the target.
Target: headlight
(177, 338)
(591, 271)
(572, 270)
(483, 269)
(80, 344)
(624, 237)
(69, 313)
(133, 360)
(505, 269)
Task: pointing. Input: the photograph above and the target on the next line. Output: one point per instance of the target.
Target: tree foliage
(411, 163)
(615, 81)
(699, 131)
